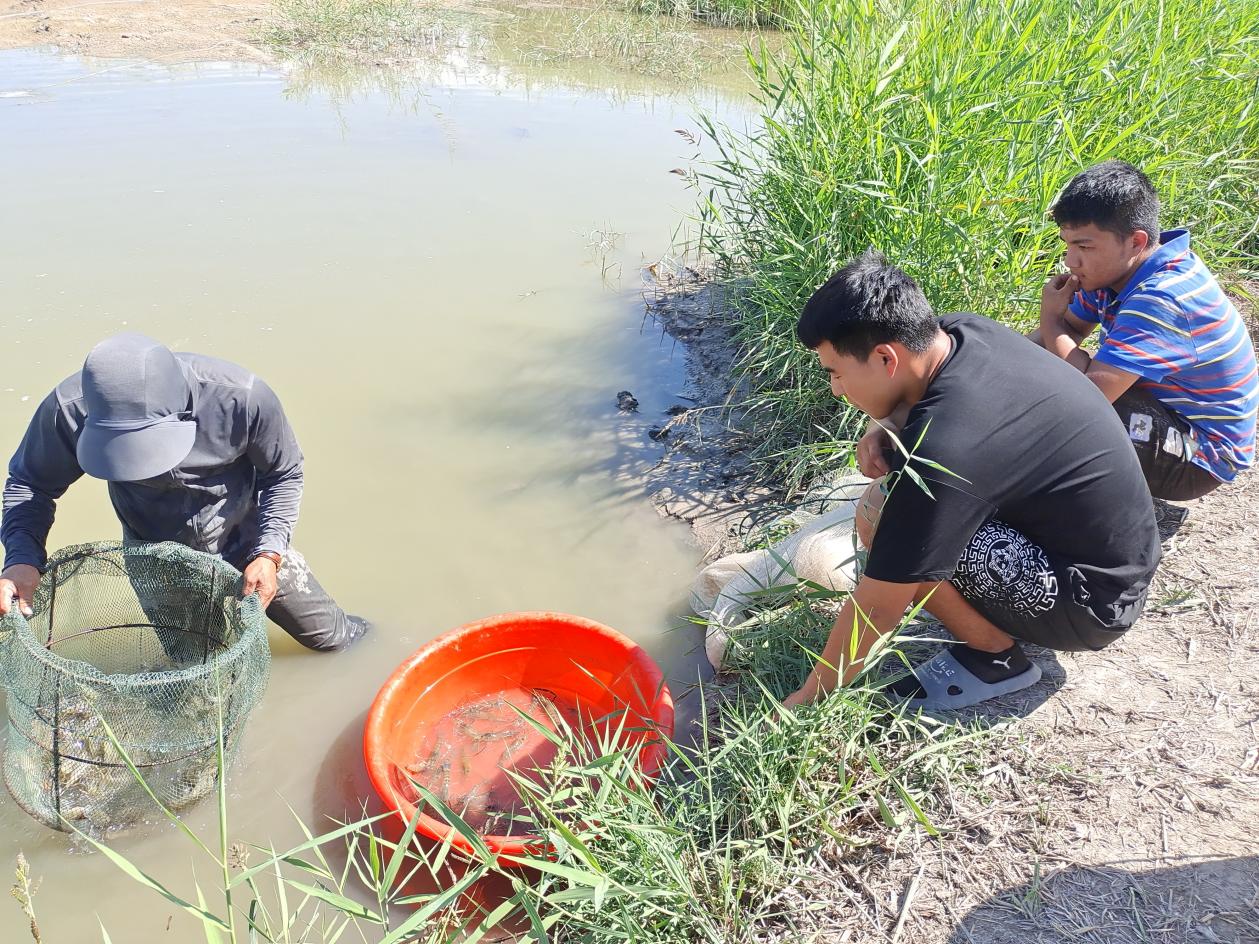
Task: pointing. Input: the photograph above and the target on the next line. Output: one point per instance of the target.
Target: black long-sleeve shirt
(236, 494)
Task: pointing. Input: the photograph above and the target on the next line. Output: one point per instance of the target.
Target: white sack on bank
(821, 551)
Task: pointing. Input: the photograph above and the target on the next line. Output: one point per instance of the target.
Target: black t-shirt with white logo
(1029, 441)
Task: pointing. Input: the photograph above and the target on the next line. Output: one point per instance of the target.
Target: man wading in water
(1041, 529)
(195, 450)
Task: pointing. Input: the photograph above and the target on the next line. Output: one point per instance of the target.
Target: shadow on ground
(1170, 519)
(1214, 901)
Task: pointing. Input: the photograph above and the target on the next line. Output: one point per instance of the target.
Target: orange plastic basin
(591, 675)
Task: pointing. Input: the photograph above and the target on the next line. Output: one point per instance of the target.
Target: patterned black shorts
(1017, 587)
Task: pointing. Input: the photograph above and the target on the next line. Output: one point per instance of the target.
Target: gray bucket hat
(139, 424)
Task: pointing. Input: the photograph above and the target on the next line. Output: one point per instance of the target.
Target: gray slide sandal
(950, 685)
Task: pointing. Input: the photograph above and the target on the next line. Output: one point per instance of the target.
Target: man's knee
(869, 508)
(331, 635)
(325, 629)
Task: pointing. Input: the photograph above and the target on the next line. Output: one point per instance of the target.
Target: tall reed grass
(939, 133)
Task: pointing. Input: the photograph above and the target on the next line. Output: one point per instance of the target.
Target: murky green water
(410, 265)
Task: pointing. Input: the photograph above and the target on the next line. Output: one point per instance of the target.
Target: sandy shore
(166, 30)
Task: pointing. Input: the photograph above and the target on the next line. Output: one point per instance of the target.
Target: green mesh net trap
(149, 642)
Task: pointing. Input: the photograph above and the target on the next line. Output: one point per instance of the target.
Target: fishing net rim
(85, 672)
(249, 610)
(161, 550)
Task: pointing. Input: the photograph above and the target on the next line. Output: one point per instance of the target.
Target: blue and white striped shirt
(1175, 328)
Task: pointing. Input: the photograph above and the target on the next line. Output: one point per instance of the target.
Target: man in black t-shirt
(1012, 506)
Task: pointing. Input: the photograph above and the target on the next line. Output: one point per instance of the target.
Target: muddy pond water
(440, 277)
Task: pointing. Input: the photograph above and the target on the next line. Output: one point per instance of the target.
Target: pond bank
(1121, 808)
(705, 477)
(167, 31)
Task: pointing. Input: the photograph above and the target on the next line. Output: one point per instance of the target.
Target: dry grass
(1130, 812)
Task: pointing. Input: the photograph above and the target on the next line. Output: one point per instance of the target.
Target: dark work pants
(1163, 445)
(302, 607)
(305, 610)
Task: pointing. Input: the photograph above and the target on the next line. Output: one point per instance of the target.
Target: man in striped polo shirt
(1174, 357)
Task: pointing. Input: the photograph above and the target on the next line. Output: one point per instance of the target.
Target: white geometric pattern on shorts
(1003, 567)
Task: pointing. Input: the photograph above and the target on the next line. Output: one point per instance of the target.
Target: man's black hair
(867, 303)
(1114, 196)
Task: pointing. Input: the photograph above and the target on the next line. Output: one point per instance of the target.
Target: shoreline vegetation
(721, 848)
(743, 14)
(355, 33)
(938, 133)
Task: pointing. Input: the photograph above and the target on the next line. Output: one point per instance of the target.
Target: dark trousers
(302, 607)
(1163, 444)
(305, 610)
